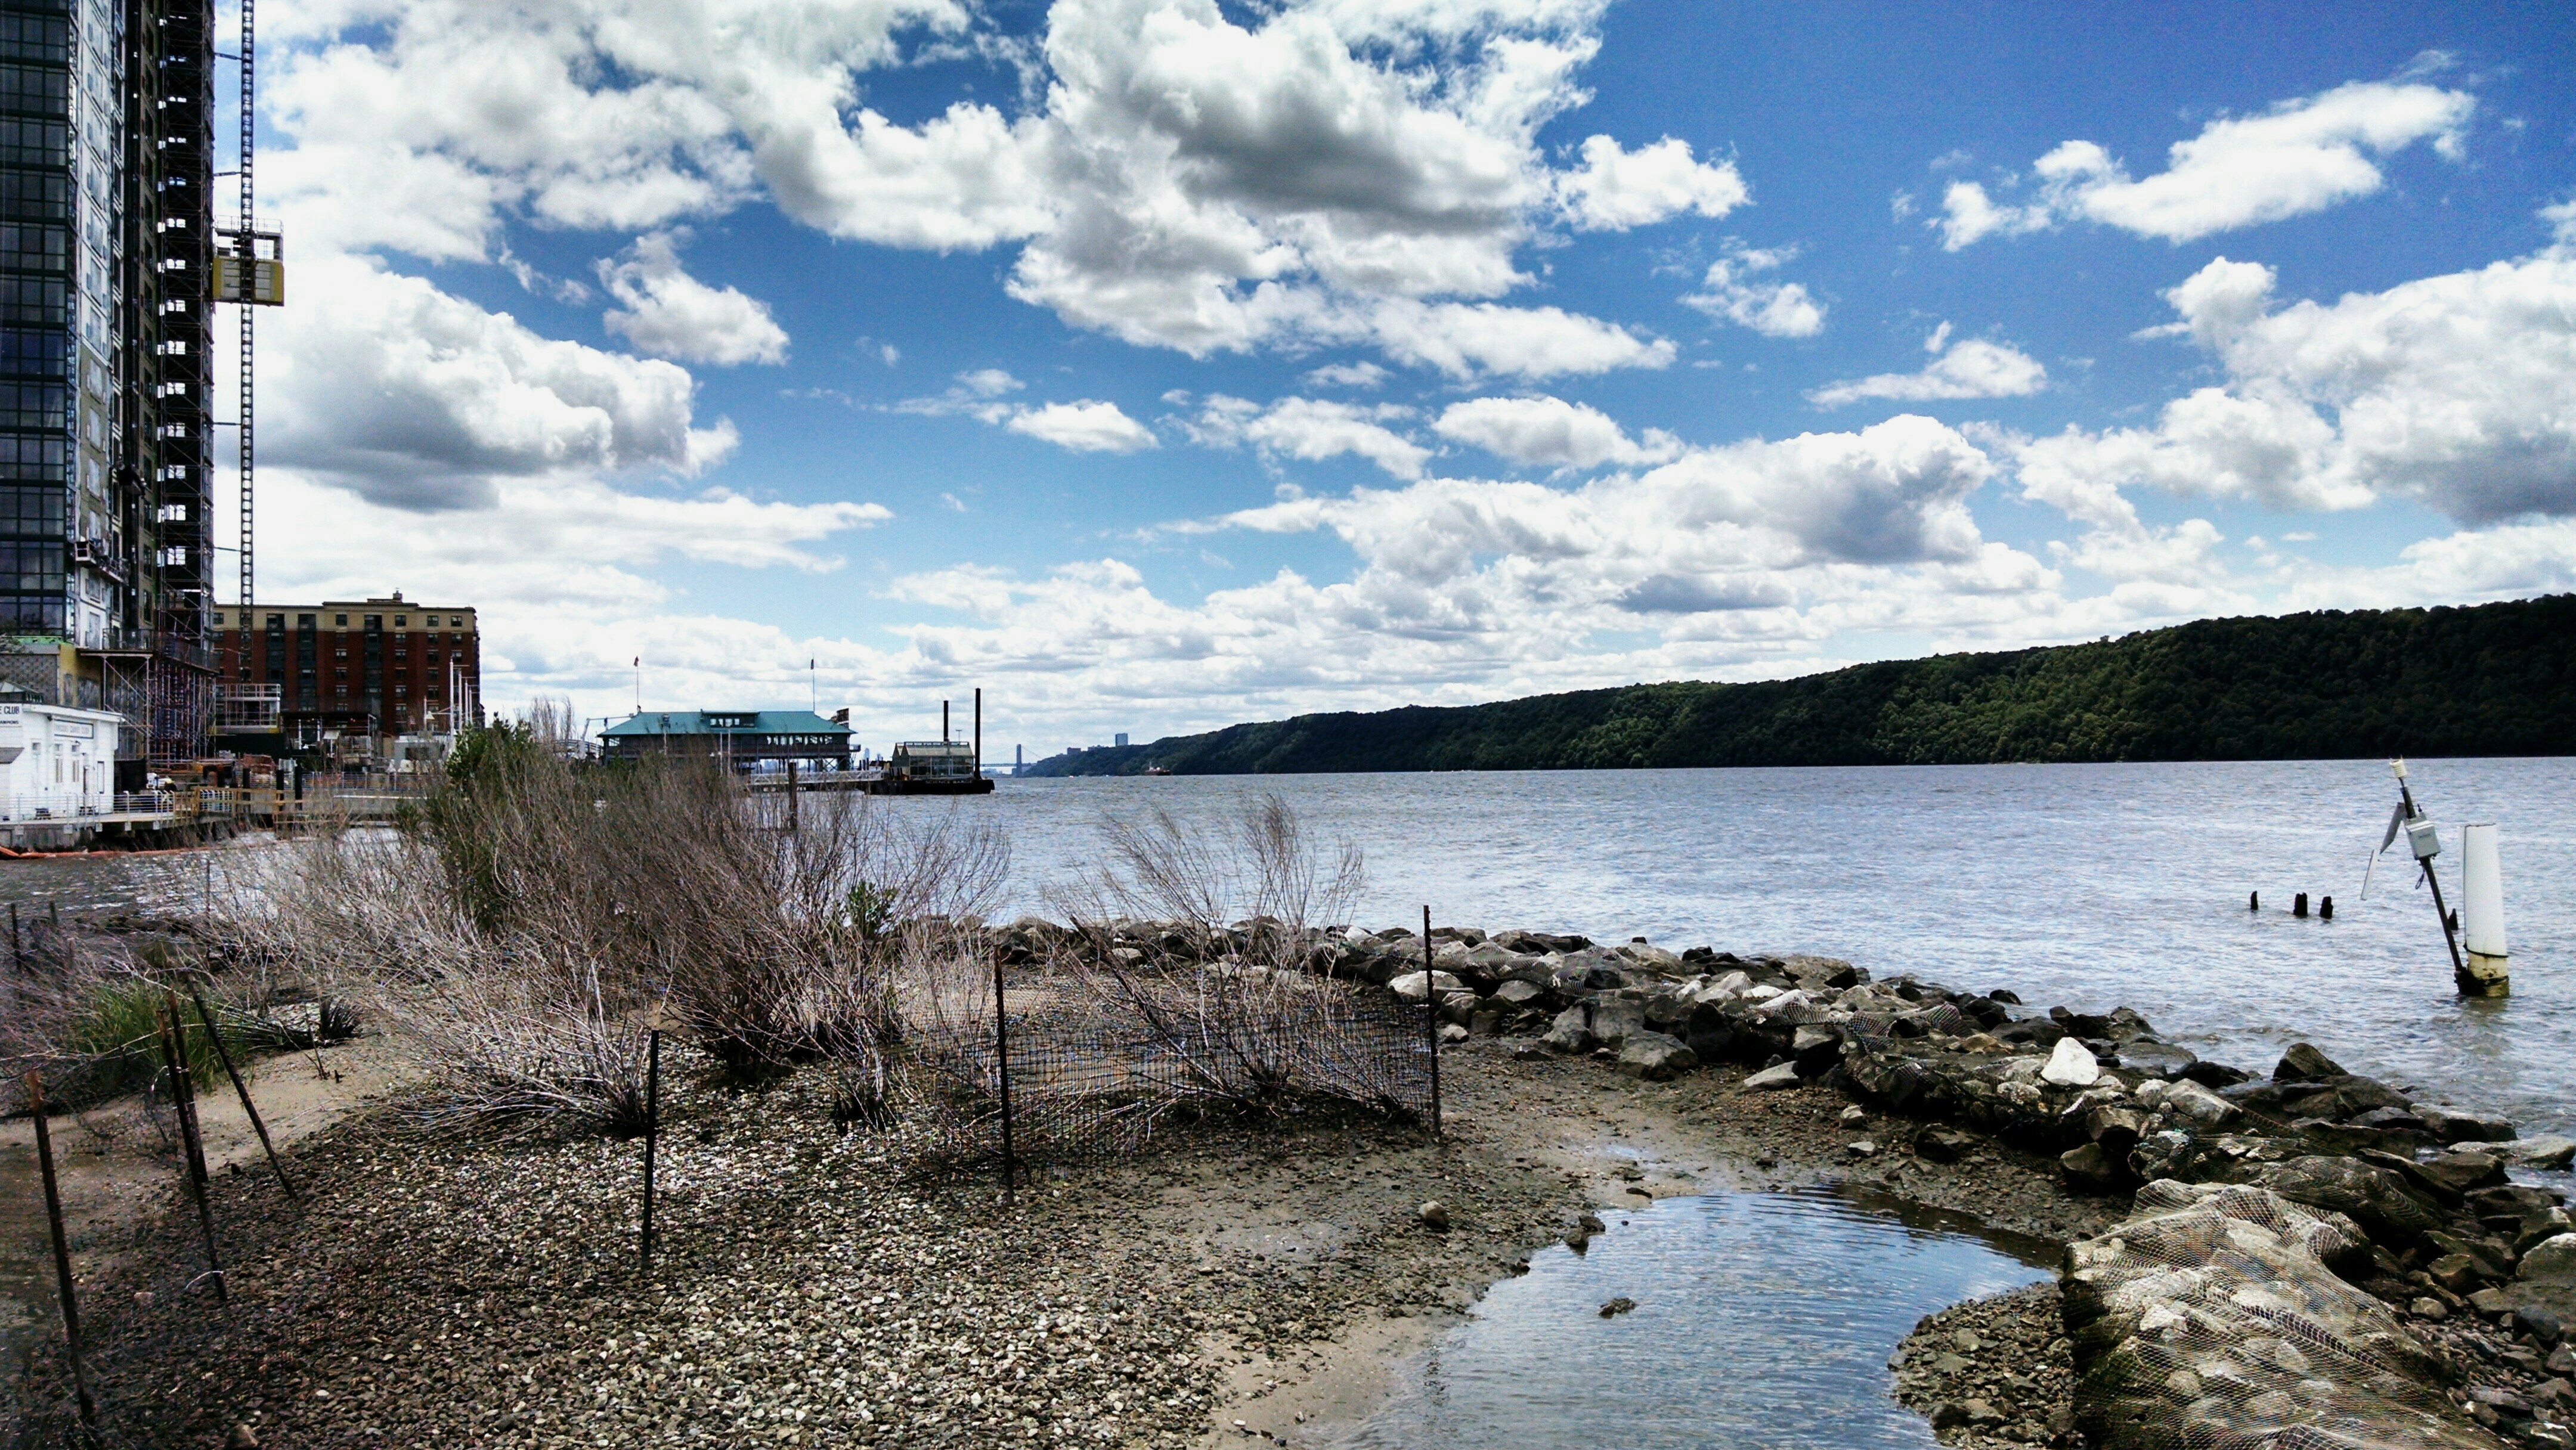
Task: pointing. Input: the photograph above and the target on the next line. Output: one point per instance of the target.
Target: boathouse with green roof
(747, 738)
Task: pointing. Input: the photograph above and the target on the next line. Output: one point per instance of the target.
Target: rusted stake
(1002, 1051)
(652, 1130)
(62, 1249)
(1431, 1016)
(224, 1055)
(184, 1099)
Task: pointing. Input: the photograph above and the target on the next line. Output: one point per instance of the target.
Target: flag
(2396, 823)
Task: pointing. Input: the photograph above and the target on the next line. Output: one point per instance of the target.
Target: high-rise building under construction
(110, 256)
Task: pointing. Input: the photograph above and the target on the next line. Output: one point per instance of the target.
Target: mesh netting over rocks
(2211, 1322)
(1095, 1072)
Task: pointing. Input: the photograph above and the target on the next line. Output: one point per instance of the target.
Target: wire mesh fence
(1091, 1075)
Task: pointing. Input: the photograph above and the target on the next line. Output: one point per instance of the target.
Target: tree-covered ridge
(2493, 679)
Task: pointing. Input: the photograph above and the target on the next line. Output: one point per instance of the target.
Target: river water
(2091, 885)
(1838, 1283)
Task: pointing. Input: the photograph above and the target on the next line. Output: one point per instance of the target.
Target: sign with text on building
(267, 281)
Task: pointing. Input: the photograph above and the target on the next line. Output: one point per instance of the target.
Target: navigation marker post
(2481, 974)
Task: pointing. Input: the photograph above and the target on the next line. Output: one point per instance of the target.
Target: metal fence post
(1002, 1051)
(652, 1130)
(62, 1248)
(1431, 1016)
(224, 1054)
(183, 1098)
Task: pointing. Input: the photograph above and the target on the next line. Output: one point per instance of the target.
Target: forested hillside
(2494, 679)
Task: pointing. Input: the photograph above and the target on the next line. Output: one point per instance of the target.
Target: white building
(56, 763)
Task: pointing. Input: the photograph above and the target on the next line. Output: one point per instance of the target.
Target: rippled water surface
(2089, 885)
(1838, 1283)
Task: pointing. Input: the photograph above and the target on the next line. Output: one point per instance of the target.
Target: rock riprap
(2211, 1318)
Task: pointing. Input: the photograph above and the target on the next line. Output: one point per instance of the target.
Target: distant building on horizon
(1122, 739)
(745, 737)
(371, 667)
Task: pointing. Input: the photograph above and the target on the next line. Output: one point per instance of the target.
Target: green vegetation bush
(118, 1044)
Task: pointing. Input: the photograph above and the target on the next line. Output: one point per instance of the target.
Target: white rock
(1410, 985)
(1762, 992)
(2071, 1066)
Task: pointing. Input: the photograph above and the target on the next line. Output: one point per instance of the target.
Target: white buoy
(2482, 913)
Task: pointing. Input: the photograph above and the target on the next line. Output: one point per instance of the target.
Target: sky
(1158, 364)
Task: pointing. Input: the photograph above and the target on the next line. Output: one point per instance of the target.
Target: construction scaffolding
(169, 338)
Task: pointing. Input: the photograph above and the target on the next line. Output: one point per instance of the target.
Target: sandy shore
(1239, 1281)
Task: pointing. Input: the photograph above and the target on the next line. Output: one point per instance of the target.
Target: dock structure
(930, 767)
(749, 740)
(193, 814)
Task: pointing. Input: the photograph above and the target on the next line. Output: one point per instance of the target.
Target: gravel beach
(437, 1291)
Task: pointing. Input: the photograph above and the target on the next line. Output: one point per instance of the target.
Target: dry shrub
(1211, 952)
(525, 929)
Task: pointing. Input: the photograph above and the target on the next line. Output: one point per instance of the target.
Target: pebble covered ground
(1993, 1371)
(436, 1291)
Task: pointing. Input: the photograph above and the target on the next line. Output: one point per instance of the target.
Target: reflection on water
(1762, 1319)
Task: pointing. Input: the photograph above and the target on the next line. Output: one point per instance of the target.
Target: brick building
(359, 667)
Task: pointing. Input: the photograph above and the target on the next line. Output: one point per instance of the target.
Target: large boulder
(1654, 1056)
(2379, 1199)
(2451, 1125)
(2303, 1063)
(2546, 1151)
(1616, 1019)
(2212, 1319)
(2546, 1278)
(1414, 986)
(1571, 1033)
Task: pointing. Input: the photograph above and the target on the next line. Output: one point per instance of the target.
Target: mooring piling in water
(2299, 905)
(62, 1248)
(2253, 901)
(2325, 909)
(2482, 913)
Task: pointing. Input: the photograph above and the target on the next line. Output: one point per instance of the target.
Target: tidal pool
(1761, 1320)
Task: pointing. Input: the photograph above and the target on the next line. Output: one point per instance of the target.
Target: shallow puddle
(1761, 1320)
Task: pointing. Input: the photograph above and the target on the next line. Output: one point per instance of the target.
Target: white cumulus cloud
(2301, 156)
(406, 395)
(1615, 190)
(1310, 430)
(1085, 426)
(2458, 391)
(1552, 431)
(1968, 368)
(669, 313)
(1736, 291)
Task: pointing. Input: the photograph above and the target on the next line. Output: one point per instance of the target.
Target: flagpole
(639, 684)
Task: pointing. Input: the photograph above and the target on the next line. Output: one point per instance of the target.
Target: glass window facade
(37, 223)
